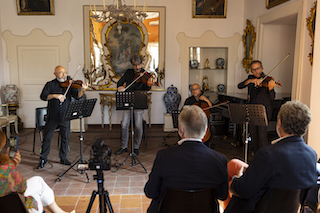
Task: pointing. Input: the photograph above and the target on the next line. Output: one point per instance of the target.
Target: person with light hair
(189, 166)
(288, 163)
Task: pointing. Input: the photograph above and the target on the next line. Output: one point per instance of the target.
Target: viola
(144, 77)
(265, 82)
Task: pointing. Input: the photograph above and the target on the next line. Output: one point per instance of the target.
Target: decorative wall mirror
(108, 52)
(248, 38)
(311, 24)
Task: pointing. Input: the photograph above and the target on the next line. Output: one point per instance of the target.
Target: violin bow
(141, 74)
(79, 66)
(276, 66)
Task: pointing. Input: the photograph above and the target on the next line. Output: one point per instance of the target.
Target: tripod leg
(140, 163)
(102, 204)
(107, 200)
(88, 180)
(93, 196)
(122, 164)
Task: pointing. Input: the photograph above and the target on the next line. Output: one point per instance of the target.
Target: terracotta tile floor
(125, 187)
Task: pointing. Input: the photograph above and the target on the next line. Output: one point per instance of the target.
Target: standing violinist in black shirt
(258, 94)
(53, 92)
(126, 80)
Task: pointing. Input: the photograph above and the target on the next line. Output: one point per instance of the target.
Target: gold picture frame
(35, 7)
(311, 23)
(209, 8)
(248, 38)
(272, 3)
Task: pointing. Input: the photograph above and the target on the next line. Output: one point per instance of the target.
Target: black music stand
(255, 114)
(75, 110)
(130, 101)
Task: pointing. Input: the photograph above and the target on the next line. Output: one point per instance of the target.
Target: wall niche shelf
(212, 48)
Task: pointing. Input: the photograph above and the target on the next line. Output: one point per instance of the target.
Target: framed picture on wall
(35, 7)
(272, 3)
(209, 8)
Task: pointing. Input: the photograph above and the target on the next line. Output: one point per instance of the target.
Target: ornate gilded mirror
(311, 23)
(108, 50)
(248, 38)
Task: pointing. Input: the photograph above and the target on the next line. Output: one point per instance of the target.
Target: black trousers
(49, 129)
(259, 137)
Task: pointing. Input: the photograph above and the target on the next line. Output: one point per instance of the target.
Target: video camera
(100, 159)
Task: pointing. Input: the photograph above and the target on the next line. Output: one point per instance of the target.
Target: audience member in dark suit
(259, 95)
(288, 163)
(191, 164)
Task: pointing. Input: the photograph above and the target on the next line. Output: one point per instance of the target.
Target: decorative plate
(194, 64)
(219, 63)
(221, 88)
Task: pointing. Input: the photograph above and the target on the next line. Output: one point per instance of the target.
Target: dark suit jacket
(191, 165)
(288, 164)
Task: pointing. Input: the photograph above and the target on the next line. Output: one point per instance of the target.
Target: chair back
(281, 200)
(41, 114)
(4, 110)
(12, 203)
(189, 201)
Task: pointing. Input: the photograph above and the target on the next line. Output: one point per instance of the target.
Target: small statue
(207, 65)
(205, 84)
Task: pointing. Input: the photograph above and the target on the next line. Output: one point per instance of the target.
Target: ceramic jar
(11, 94)
(172, 99)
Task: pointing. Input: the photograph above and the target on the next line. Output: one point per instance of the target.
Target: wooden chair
(12, 203)
(5, 115)
(282, 200)
(189, 201)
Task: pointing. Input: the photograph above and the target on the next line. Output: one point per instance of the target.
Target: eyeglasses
(195, 89)
(258, 68)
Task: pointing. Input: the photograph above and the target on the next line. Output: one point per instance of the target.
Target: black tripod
(254, 114)
(132, 100)
(75, 110)
(103, 194)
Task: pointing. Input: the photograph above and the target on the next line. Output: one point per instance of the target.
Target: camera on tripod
(101, 156)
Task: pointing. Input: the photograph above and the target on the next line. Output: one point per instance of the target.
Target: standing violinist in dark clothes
(58, 103)
(128, 77)
(258, 94)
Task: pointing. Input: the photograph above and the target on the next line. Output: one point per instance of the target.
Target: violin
(75, 84)
(265, 82)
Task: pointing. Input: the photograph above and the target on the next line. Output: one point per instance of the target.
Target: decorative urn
(172, 99)
(11, 94)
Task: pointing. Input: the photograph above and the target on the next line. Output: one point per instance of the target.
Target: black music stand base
(103, 195)
(75, 110)
(133, 155)
(81, 160)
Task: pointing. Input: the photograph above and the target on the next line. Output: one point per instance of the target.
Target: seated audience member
(190, 165)
(288, 163)
(34, 192)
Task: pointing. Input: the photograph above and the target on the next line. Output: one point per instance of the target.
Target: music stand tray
(255, 114)
(130, 101)
(75, 110)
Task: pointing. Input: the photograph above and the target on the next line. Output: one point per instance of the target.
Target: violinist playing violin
(129, 80)
(202, 101)
(259, 92)
(58, 102)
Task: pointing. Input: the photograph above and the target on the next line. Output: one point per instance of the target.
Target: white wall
(68, 16)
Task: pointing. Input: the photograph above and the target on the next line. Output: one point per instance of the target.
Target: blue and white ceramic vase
(11, 94)
(172, 99)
